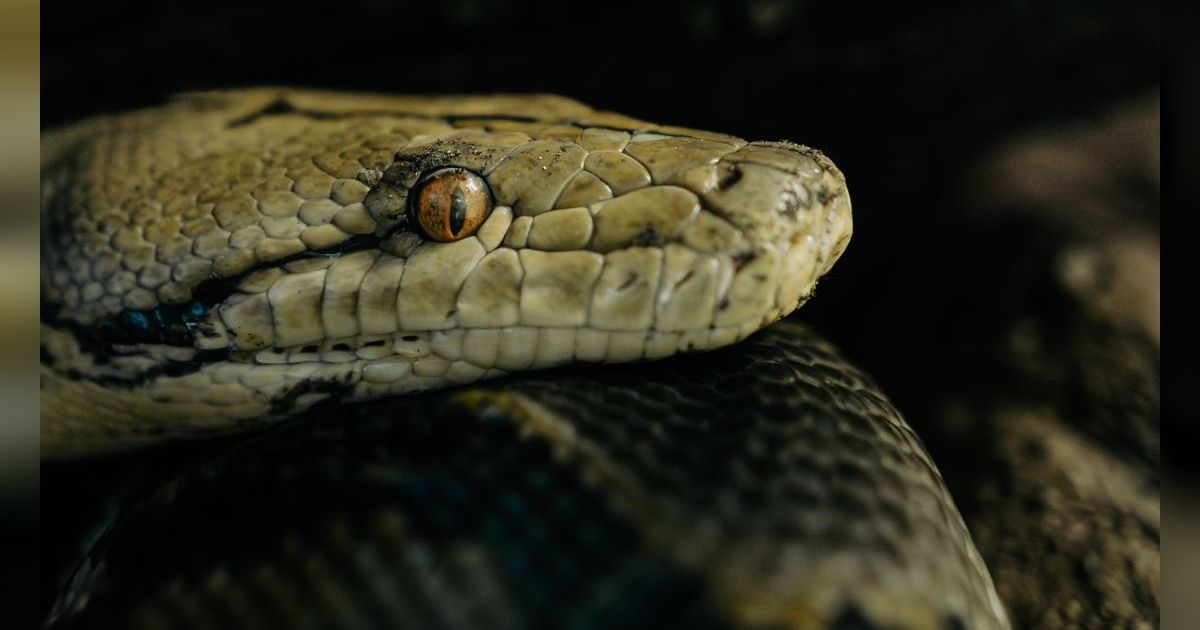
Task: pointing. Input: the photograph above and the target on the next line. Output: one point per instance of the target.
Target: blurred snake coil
(235, 258)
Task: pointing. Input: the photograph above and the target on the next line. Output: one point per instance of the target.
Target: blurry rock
(1046, 303)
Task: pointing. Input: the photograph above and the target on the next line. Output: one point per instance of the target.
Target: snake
(235, 258)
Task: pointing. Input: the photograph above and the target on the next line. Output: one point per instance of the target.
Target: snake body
(233, 257)
(765, 485)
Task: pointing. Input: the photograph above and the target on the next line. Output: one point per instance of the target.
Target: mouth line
(188, 325)
(178, 324)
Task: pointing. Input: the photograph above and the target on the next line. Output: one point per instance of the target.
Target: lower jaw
(418, 361)
(253, 388)
(229, 395)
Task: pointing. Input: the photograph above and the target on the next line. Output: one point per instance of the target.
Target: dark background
(905, 97)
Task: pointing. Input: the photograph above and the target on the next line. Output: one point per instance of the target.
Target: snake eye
(450, 204)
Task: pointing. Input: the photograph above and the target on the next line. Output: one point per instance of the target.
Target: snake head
(234, 257)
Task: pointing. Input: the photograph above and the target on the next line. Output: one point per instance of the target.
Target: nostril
(728, 176)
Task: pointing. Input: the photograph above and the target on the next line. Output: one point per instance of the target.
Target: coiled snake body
(235, 258)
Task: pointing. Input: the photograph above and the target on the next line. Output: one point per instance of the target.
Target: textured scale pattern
(240, 183)
(766, 485)
(231, 258)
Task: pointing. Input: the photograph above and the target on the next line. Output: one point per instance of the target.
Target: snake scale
(235, 258)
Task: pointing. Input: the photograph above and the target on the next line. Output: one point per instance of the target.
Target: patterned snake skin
(765, 485)
(236, 258)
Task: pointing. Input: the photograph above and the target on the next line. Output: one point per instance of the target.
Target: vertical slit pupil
(458, 210)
